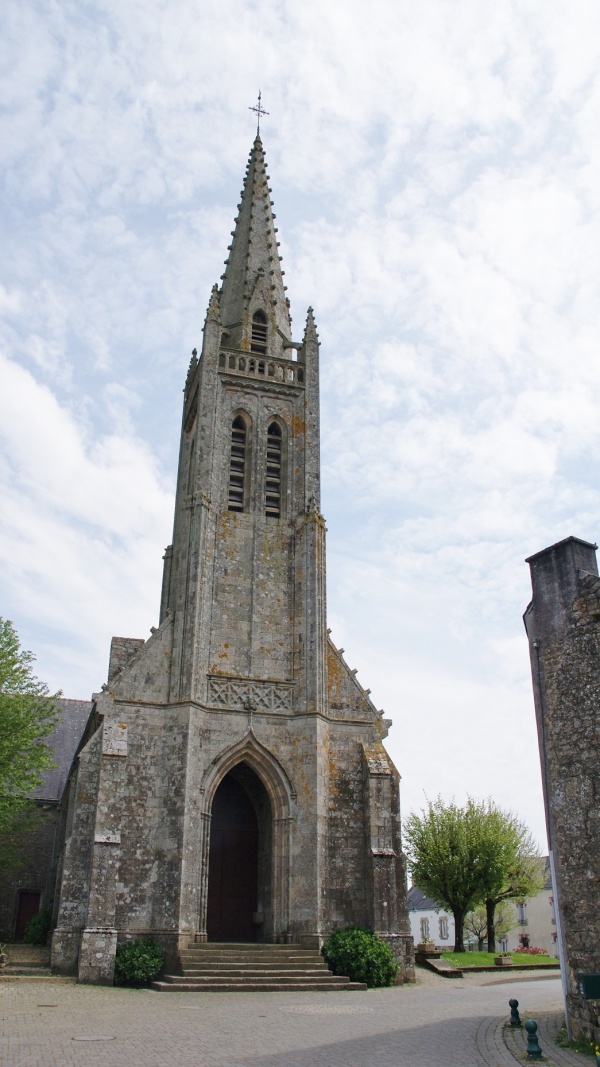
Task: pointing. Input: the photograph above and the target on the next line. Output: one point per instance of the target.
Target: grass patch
(486, 959)
(589, 1048)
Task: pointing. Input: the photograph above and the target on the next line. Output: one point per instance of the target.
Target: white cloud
(436, 175)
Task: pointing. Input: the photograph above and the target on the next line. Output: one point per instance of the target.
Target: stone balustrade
(255, 366)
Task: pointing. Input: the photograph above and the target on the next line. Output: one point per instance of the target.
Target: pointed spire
(191, 370)
(253, 277)
(310, 330)
(213, 309)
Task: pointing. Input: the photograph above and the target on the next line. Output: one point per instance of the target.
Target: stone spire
(310, 330)
(253, 276)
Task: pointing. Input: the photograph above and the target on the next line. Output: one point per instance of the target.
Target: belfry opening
(239, 866)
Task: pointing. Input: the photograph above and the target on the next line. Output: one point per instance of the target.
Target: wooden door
(233, 865)
(28, 906)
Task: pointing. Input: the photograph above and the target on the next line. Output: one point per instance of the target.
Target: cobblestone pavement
(441, 1022)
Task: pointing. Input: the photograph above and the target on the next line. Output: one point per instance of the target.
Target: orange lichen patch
(298, 425)
(336, 671)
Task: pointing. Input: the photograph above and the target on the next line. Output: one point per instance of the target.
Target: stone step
(210, 960)
(261, 950)
(186, 986)
(296, 979)
(25, 970)
(254, 968)
(255, 972)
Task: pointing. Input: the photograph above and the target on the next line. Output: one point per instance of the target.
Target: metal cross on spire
(259, 110)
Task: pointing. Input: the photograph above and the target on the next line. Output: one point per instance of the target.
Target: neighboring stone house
(535, 919)
(563, 627)
(234, 785)
(30, 886)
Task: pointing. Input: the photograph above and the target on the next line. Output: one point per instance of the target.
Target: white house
(430, 921)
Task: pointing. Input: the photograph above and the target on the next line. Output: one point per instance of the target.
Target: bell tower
(237, 729)
(245, 576)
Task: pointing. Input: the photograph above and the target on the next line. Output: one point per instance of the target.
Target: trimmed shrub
(38, 928)
(137, 962)
(359, 954)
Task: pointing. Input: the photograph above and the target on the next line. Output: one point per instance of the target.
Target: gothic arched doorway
(239, 866)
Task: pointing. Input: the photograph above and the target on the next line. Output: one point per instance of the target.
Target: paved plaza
(436, 1023)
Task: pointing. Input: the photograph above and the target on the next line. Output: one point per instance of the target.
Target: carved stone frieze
(249, 694)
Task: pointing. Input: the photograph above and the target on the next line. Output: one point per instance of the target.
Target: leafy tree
(476, 923)
(27, 715)
(461, 856)
(524, 877)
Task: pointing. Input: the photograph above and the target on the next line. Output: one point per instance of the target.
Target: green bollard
(515, 1018)
(534, 1051)
(598, 1059)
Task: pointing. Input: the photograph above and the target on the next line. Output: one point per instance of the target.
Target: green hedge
(137, 962)
(359, 954)
(38, 928)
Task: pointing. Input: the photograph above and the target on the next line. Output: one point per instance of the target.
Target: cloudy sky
(436, 177)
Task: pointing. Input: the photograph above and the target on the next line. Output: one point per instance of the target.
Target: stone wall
(563, 626)
(34, 872)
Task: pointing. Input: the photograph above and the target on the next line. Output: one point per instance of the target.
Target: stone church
(232, 784)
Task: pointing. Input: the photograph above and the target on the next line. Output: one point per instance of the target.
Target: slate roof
(417, 901)
(64, 742)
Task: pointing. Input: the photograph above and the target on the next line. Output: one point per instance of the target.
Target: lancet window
(258, 340)
(191, 467)
(274, 464)
(237, 465)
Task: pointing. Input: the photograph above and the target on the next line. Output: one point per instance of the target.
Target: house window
(504, 944)
(273, 480)
(258, 342)
(237, 465)
(444, 928)
(521, 913)
(424, 929)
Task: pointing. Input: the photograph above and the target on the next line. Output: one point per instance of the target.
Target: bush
(359, 954)
(137, 962)
(38, 928)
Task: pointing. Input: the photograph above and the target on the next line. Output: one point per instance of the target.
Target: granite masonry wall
(563, 626)
(239, 674)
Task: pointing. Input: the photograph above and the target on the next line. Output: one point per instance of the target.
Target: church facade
(233, 784)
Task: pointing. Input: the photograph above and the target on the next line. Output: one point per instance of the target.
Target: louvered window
(237, 465)
(259, 332)
(273, 484)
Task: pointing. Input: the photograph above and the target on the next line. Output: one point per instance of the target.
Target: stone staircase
(251, 968)
(26, 961)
